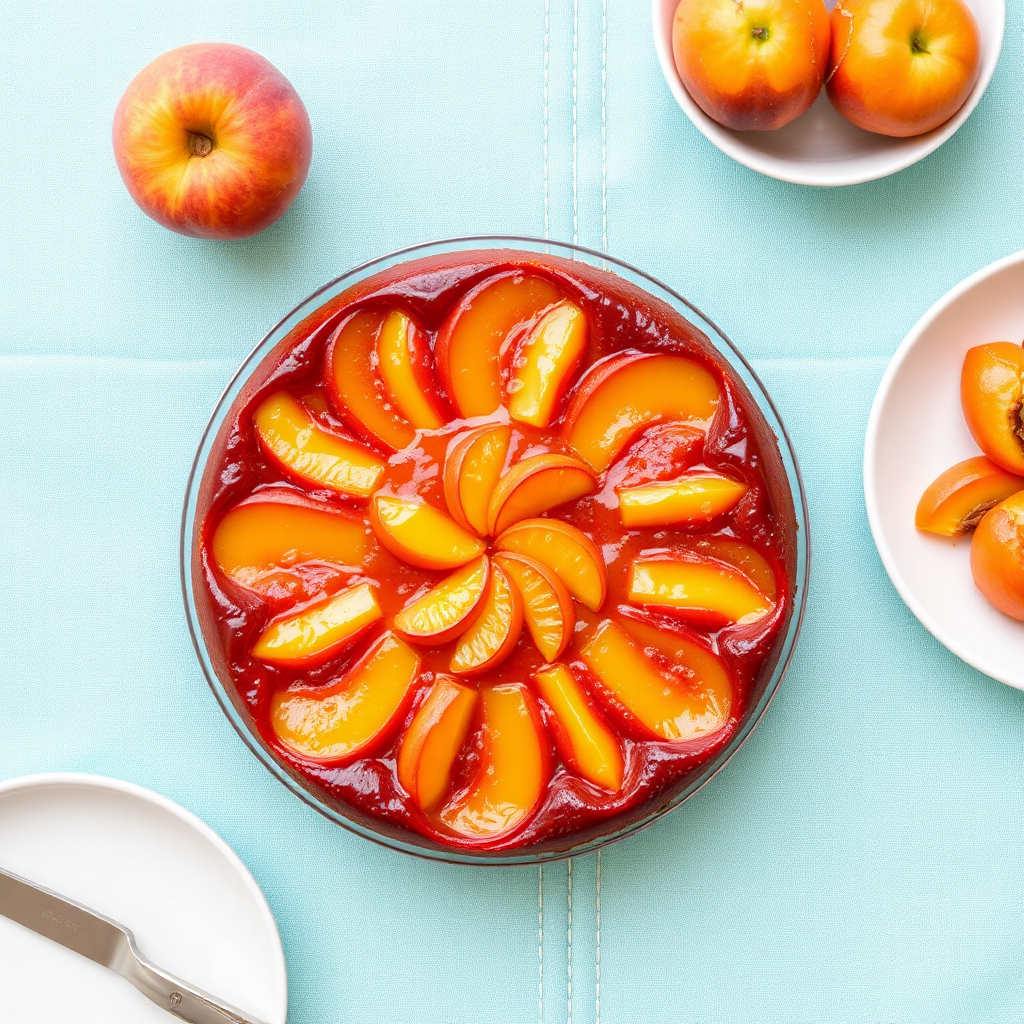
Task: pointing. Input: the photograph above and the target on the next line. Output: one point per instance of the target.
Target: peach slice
(446, 610)
(471, 472)
(535, 485)
(586, 742)
(277, 528)
(340, 721)
(468, 348)
(421, 535)
(547, 604)
(574, 557)
(622, 394)
(495, 631)
(354, 387)
(991, 394)
(702, 588)
(513, 772)
(545, 362)
(694, 498)
(662, 452)
(956, 500)
(312, 455)
(433, 740)
(741, 556)
(673, 707)
(317, 632)
(403, 355)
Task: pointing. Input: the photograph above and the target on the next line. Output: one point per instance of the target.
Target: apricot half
(956, 500)
(312, 455)
(673, 707)
(446, 610)
(547, 604)
(404, 359)
(537, 484)
(991, 393)
(585, 740)
(695, 498)
(494, 632)
(471, 472)
(620, 395)
(340, 721)
(420, 534)
(545, 362)
(513, 770)
(469, 344)
(997, 556)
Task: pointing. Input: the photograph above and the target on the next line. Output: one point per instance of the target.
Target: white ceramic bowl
(916, 430)
(821, 147)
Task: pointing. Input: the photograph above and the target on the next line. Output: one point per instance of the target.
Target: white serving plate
(150, 865)
(822, 147)
(916, 430)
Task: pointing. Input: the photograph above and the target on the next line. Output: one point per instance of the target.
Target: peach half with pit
(997, 556)
(992, 398)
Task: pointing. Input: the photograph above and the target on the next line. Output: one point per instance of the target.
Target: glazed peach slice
(545, 362)
(694, 498)
(622, 394)
(679, 707)
(535, 485)
(547, 604)
(570, 553)
(420, 534)
(469, 344)
(956, 500)
(583, 737)
(662, 452)
(338, 722)
(278, 528)
(494, 632)
(312, 455)
(703, 589)
(319, 631)
(404, 359)
(355, 388)
(514, 767)
(991, 394)
(471, 472)
(747, 560)
(447, 609)
(433, 740)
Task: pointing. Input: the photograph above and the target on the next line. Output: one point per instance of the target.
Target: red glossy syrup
(738, 442)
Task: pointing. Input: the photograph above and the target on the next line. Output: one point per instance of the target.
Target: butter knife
(113, 946)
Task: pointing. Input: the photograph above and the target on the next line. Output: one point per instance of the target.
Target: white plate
(916, 430)
(152, 866)
(822, 147)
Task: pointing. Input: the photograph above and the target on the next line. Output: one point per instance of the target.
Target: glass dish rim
(520, 856)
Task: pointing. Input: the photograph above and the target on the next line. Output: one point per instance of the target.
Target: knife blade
(112, 945)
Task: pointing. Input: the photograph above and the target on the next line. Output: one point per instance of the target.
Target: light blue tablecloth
(860, 861)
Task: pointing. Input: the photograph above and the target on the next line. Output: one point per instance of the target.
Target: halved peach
(574, 557)
(702, 588)
(494, 632)
(468, 348)
(547, 604)
(340, 721)
(355, 388)
(544, 364)
(694, 498)
(471, 472)
(404, 359)
(420, 534)
(535, 485)
(954, 503)
(433, 740)
(514, 768)
(624, 393)
(677, 707)
(991, 394)
(661, 452)
(585, 740)
(312, 455)
(997, 556)
(447, 609)
(277, 528)
(318, 632)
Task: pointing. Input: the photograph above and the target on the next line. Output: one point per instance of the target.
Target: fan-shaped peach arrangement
(493, 555)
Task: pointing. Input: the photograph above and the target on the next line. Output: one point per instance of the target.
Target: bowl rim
(517, 856)
(831, 174)
(872, 441)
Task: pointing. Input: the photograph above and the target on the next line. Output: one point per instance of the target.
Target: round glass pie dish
(345, 307)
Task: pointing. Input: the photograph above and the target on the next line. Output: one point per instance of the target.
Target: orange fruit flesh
(446, 608)
(536, 485)
(956, 500)
(396, 357)
(471, 473)
(547, 605)
(494, 632)
(420, 534)
(695, 498)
